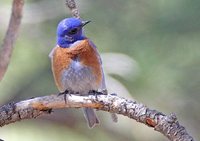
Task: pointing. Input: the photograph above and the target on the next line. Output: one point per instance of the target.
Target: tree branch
(11, 35)
(32, 108)
(72, 7)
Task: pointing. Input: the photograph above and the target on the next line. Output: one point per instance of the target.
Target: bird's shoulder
(82, 46)
(87, 52)
(78, 47)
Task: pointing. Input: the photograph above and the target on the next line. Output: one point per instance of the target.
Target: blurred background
(150, 51)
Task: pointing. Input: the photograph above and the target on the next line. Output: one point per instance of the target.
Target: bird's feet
(95, 92)
(92, 92)
(67, 92)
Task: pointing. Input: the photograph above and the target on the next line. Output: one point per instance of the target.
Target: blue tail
(91, 117)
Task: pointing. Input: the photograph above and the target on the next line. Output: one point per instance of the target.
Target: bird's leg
(65, 93)
(95, 92)
(92, 92)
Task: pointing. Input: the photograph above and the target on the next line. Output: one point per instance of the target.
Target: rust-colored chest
(86, 54)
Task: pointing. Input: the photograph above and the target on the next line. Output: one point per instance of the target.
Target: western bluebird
(76, 63)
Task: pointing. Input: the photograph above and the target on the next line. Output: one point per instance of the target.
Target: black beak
(85, 22)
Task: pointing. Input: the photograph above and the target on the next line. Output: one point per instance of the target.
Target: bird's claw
(67, 92)
(96, 93)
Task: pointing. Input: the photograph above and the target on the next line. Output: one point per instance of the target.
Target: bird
(77, 65)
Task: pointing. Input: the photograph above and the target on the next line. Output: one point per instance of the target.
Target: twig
(10, 36)
(72, 6)
(32, 108)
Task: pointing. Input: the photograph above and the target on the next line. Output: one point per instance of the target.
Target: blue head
(69, 31)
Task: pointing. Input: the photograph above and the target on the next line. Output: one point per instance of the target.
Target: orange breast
(87, 55)
(60, 61)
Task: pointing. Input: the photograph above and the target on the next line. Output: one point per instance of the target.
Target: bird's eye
(73, 31)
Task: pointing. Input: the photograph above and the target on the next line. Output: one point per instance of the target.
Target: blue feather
(69, 31)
